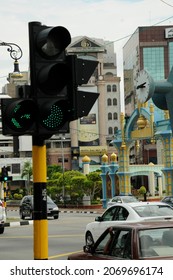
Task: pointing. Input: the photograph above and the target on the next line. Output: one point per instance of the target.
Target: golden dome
(113, 157)
(141, 122)
(104, 158)
(86, 159)
(151, 163)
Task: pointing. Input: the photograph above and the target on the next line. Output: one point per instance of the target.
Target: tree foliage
(27, 174)
(75, 184)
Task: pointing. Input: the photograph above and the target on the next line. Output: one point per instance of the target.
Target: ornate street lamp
(15, 53)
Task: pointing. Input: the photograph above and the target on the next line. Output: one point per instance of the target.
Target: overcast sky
(110, 20)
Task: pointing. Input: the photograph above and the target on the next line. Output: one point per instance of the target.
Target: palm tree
(27, 172)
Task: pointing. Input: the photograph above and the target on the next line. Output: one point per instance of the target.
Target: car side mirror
(88, 249)
(98, 219)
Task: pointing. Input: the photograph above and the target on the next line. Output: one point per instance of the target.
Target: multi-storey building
(89, 135)
(149, 48)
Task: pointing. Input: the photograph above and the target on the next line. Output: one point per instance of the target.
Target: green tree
(65, 181)
(53, 188)
(78, 183)
(27, 173)
(52, 169)
(143, 192)
(94, 188)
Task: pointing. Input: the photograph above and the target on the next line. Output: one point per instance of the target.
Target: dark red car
(132, 241)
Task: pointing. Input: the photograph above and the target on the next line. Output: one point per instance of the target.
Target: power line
(166, 3)
(127, 36)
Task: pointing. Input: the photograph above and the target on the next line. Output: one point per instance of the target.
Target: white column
(151, 183)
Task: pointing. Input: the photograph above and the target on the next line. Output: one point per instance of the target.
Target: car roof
(121, 195)
(140, 203)
(146, 225)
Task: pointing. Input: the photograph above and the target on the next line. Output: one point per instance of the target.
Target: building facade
(149, 48)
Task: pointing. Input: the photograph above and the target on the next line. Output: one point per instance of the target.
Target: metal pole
(40, 200)
(62, 155)
(5, 194)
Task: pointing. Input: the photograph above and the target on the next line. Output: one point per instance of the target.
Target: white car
(130, 212)
(2, 217)
(121, 199)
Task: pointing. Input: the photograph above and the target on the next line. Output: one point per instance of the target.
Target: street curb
(80, 211)
(91, 211)
(21, 223)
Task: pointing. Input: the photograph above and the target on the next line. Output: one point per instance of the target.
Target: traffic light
(50, 75)
(19, 114)
(83, 101)
(4, 175)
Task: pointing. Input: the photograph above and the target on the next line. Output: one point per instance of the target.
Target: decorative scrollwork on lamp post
(15, 53)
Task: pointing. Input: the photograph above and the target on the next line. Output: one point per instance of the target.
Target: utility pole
(40, 200)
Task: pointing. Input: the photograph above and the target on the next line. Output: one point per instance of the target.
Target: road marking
(63, 255)
(50, 236)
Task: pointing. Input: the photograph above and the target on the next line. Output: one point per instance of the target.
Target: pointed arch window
(114, 101)
(110, 130)
(115, 116)
(109, 116)
(108, 88)
(115, 129)
(114, 88)
(109, 102)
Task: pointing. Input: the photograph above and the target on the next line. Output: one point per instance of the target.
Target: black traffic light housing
(4, 175)
(50, 76)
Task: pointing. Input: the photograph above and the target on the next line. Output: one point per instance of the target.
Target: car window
(121, 214)
(103, 245)
(109, 214)
(114, 199)
(121, 246)
(26, 200)
(128, 199)
(153, 210)
(156, 242)
(49, 200)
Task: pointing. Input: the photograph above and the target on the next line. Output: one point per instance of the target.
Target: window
(114, 88)
(109, 102)
(170, 55)
(154, 61)
(115, 116)
(121, 214)
(16, 168)
(109, 116)
(108, 88)
(114, 101)
(109, 214)
(110, 130)
(121, 246)
(115, 129)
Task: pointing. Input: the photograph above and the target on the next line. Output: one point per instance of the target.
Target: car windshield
(153, 210)
(129, 199)
(49, 200)
(156, 242)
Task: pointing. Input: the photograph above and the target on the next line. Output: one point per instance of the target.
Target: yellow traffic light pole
(40, 200)
(5, 194)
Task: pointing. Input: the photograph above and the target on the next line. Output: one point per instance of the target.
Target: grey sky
(107, 19)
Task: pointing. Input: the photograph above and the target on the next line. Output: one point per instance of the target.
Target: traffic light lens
(52, 41)
(53, 78)
(21, 114)
(53, 114)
